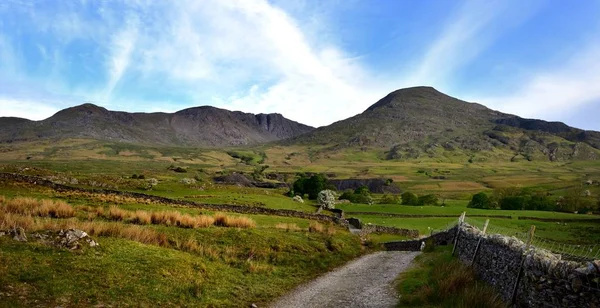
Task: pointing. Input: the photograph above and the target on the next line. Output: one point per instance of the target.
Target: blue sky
(314, 61)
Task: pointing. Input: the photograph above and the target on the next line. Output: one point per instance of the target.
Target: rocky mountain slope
(421, 121)
(201, 126)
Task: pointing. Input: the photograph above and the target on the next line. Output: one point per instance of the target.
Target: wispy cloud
(122, 46)
(467, 32)
(556, 93)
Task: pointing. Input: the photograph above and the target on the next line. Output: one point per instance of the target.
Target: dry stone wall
(213, 207)
(369, 228)
(546, 280)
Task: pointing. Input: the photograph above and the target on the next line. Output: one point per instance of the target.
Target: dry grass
(115, 213)
(35, 207)
(223, 220)
(140, 218)
(316, 227)
(288, 227)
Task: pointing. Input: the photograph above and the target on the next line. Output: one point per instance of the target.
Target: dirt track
(366, 282)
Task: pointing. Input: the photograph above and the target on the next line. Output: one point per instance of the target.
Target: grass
(438, 280)
(156, 254)
(205, 266)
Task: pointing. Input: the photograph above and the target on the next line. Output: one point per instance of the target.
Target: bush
(326, 199)
(480, 201)
(427, 200)
(311, 186)
(389, 199)
(360, 195)
(409, 198)
(513, 203)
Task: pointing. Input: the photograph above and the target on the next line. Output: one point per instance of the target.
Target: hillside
(421, 121)
(199, 127)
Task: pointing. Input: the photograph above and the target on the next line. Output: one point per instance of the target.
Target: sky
(314, 61)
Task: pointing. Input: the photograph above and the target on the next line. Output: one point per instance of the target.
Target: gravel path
(366, 282)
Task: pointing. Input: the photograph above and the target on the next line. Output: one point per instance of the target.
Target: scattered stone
(298, 199)
(188, 181)
(19, 235)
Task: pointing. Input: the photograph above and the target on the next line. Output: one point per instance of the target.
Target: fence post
(520, 273)
(460, 222)
(479, 242)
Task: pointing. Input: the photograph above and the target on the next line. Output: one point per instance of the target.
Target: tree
(409, 198)
(540, 202)
(427, 200)
(359, 195)
(311, 186)
(573, 200)
(326, 199)
(513, 203)
(389, 199)
(480, 201)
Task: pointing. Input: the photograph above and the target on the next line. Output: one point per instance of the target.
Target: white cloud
(556, 93)
(121, 47)
(468, 32)
(33, 110)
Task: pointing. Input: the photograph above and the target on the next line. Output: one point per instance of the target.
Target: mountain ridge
(407, 123)
(203, 126)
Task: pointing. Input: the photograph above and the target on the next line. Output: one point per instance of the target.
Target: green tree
(409, 198)
(480, 201)
(427, 200)
(513, 203)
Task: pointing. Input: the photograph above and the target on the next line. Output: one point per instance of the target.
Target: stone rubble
(72, 239)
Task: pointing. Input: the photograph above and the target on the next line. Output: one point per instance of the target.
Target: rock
(254, 306)
(298, 199)
(2, 233)
(20, 235)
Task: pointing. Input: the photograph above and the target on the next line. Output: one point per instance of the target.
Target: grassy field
(147, 263)
(234, 266)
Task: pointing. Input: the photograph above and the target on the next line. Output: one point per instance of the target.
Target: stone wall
(213, 207)
(369, 228)
(441, 238)
(546, 280)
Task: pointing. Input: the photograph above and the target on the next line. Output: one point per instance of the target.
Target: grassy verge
(161, 258)
(438, 280)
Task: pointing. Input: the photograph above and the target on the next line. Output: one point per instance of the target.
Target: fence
(529, 271)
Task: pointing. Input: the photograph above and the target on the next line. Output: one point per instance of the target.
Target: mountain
(421, 121)
(200, 126)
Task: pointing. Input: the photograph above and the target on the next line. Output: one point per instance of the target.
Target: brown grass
(140, 218)
(316, 227)
(223, 220)
(115, 213)
(288, 227)
(35, 207)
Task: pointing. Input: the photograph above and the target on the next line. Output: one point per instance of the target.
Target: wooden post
(479, 242)
(460, 222)
(520, 273)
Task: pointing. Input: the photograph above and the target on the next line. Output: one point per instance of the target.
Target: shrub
(389, 199)
(513, 203)
(480, 201)
(427, 200)
(409, 198)
(326, 199)
(311, 186)
(360, 195)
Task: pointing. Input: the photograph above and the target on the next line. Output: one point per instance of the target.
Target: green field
(237, 266)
